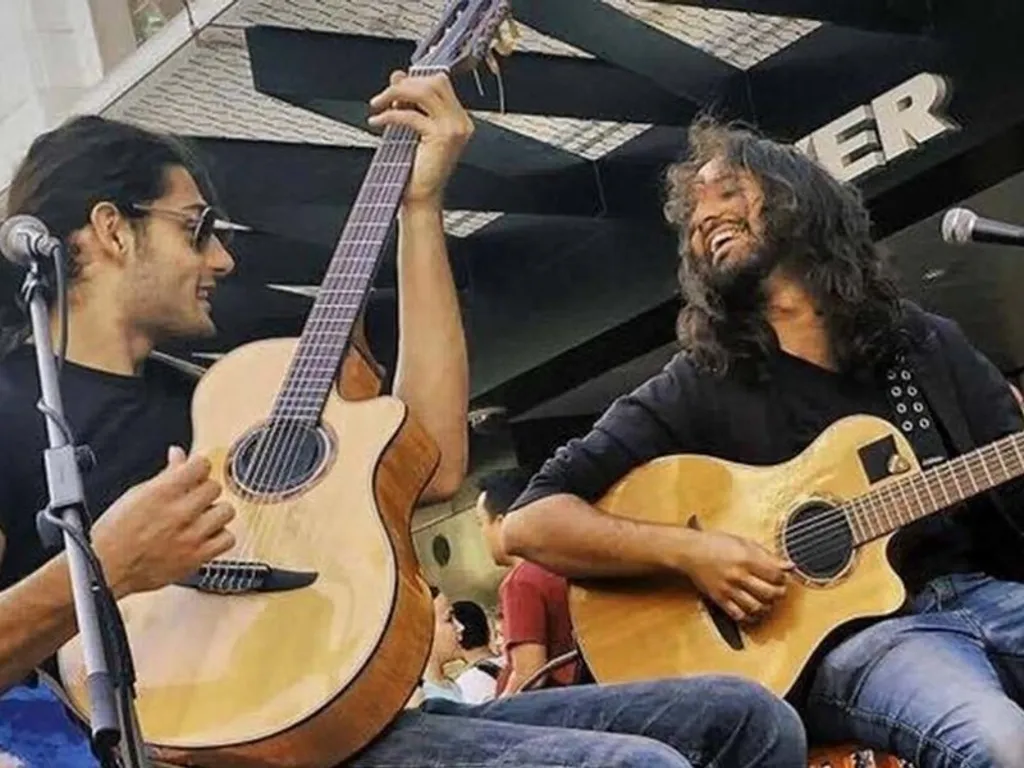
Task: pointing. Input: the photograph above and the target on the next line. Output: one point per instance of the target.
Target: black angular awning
(565, 268)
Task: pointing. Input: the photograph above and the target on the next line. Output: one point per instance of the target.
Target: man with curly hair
(791, 321)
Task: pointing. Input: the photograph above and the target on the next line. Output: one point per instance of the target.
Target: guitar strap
(912, 415)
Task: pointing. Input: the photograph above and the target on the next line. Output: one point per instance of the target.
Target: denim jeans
(942, 686)
(692, 723)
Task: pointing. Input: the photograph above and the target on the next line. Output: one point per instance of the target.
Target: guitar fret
(974, 482)
(348, 277)
(318, 356)
(362, 204)
(877, 515)
(1002, 465)
(1016, 450)
(960, 491)
(857, 525)
(928, 489)
(988, 475)
(888, 506)
(921, 506)
(942, 485)
(877, 512)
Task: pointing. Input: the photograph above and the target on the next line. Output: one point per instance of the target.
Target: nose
(219, 258)
(706, 216)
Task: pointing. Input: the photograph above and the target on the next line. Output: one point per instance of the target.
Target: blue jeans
(705, 721)
(942, 686)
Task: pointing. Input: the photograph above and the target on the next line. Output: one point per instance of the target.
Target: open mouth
(721, 239)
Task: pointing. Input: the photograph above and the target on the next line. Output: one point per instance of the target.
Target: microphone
(961, 225)
(25, 239)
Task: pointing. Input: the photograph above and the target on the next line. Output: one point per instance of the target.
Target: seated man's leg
(921, 687)
(423, 740)
(709, 720)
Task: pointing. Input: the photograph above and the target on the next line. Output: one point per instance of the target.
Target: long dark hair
(476, 632)
(819, 232)
(68, 171)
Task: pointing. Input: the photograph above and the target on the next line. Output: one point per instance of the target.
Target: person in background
(445, 649)
(479, 680)
(534, 601)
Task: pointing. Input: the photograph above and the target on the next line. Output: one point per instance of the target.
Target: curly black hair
(817, 229)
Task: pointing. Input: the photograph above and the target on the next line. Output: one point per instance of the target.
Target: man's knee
(755, 712)
(752, 704)
(988, 740)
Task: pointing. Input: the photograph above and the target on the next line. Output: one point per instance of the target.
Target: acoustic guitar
(303, 644)
(831, 510)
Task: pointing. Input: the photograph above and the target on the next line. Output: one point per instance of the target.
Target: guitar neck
(348, 280)
(896, 504)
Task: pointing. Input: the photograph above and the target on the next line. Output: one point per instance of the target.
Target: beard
(732, 285)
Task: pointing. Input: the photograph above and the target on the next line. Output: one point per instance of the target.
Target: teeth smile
(721, 238)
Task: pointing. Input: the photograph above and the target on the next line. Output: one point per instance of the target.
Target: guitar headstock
(464, 36)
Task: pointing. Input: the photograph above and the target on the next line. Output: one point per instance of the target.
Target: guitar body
(303, 676)
(641, 629)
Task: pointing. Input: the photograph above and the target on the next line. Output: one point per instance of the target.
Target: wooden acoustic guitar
(302, 645)
(831, 510)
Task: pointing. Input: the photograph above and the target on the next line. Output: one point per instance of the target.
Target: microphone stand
(113, 719)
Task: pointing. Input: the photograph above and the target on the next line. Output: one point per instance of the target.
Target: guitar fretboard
(901, 502)
(347, 282)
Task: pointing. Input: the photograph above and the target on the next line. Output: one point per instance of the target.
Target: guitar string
(982, 458)
(396, 161)
(294, 410)
(880, 500)
(837, 520)
(875, 502)
(396, 156)
(386, 190)
(288, 443)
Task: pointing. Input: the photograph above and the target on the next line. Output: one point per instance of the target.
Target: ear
(111, 231)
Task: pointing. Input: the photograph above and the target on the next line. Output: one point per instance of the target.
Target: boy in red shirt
(533, 601)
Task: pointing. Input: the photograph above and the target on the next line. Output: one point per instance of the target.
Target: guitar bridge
(238, 577)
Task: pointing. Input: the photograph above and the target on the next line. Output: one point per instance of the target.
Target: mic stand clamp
(113, 719)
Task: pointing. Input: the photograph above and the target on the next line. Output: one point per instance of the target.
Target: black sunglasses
(204, 224)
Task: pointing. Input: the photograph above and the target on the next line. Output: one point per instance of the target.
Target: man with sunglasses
(147, 250)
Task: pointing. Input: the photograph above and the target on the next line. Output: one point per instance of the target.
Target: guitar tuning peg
(507, 37)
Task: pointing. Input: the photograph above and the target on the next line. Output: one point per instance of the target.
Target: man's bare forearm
(432, 372)
(37, 616)
(568, 536)
(515, 681)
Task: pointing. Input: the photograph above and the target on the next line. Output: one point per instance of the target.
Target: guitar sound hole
(819, 541)
(278, 457)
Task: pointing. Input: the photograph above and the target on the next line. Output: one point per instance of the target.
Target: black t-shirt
(127, 421)
(685, 410)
